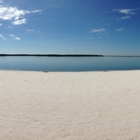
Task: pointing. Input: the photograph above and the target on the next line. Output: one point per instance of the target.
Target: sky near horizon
(108, 27)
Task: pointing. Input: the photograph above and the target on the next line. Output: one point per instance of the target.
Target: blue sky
(70, 26)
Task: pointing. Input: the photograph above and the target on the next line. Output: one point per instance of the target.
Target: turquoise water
(69, 63)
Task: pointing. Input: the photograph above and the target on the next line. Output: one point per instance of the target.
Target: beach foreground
(70, 105)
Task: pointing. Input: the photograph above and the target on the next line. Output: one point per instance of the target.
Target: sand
(70, 105)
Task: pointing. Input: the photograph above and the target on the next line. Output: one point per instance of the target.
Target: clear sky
(70, 26)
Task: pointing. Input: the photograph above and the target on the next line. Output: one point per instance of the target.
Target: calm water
(69, 63)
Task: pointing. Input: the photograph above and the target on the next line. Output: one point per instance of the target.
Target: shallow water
(69, 63)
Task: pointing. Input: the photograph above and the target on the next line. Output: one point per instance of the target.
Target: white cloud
(8, 13)
(1, 1)
(125, 17)
(126, 11)
(0, 24)
(30, 30)
(1, 36)
(119, 30)
(15, 37)
(98, 30)
(35, 11)
(18, 22)
(14, 14)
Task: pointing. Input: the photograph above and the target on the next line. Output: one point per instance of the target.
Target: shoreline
(53, 55)
(92, 71)
(69, 105)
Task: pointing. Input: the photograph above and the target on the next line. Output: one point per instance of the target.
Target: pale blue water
(69, 63)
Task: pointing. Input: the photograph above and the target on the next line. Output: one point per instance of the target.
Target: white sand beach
(70, 105)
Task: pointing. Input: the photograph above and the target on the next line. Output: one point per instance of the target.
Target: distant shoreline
(54, 55)
(68, 55)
